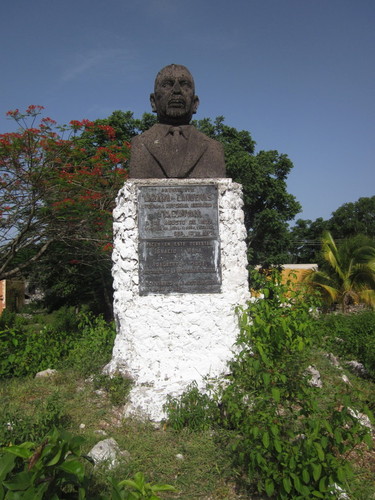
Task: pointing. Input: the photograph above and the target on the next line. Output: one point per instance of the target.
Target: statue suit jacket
(151, 156)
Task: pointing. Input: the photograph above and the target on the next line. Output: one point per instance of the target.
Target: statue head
(174, 98)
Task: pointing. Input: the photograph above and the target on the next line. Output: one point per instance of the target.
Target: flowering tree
(55, 189)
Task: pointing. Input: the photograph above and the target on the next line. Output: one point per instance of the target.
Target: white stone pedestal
(166, 341)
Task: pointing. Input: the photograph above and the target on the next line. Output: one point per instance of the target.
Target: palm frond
(349, 276)
(368, 297)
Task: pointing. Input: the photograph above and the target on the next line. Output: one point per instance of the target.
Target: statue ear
(195, 104)
(153, 103)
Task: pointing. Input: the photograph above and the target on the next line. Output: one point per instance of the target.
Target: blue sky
(298, 74)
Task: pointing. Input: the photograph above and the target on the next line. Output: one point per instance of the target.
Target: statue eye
(167, 83)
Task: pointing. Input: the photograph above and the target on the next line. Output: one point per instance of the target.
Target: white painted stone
(361, 417)
(50, 372)
(314, 377)
(357, 368)
(108, 452)
(345, 379)
(165, 342)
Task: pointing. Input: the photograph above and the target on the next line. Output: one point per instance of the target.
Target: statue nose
(176, 88)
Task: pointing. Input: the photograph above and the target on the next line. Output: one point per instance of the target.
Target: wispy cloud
(95, 60)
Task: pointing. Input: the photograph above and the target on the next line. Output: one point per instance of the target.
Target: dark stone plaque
(179, 247)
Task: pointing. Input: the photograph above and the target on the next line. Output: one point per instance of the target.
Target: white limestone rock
(362, 418)
(108, 452)
(314, 377)
(46, 373)
(357, 368)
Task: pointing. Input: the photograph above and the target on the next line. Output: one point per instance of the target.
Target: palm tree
(348, 276)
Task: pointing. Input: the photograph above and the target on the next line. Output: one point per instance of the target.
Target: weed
(193, 410)
(93, 349)
(117, 387)
(31, 425)
(83, 341)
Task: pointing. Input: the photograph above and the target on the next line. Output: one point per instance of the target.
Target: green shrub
(283, 441)
(12, 343)
(137, 489)
(288, 445)
(25, 353)
(65, 319)
(51, 470)
(7, 319)
(55, 470)
(93, 348)
(86, 344)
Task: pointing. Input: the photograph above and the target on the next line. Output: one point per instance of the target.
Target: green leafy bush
(137, 489)
(7, 319)
(283, 440)
(12, 343)
(92, 349)
(65, 319)
(51, 470)
(25, 353)
(84, 342)
(289, 446)
(55, 470)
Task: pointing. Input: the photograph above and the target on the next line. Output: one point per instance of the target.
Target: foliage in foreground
(54, 470)
(79, 340)
(283, 440)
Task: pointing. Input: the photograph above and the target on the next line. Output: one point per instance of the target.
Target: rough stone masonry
(166, 341)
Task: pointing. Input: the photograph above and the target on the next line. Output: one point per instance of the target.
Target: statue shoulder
(212, 143)
(146, 136)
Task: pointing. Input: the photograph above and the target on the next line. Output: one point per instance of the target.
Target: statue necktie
(177, 144)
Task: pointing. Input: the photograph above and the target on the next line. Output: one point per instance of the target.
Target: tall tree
(354, 218)
(348, 276)
(54, 189)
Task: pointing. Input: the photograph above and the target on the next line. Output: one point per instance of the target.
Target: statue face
(174, 99)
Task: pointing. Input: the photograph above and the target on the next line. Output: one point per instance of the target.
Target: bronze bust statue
(173, 148)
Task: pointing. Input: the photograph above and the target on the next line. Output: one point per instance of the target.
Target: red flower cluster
(110, 131)
(34, 110)
(47, 122)
(13, 113)
(76, 124)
